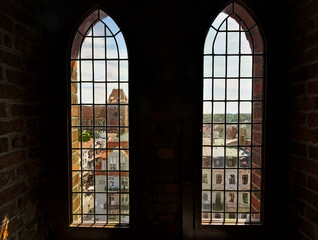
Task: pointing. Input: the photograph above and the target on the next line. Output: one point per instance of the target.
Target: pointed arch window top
(234, 19)
(99, 25)
(232, 123)
(99, 125)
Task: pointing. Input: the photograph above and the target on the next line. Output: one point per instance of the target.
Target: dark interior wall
(165, 43)
(302, 199)
(23, 156)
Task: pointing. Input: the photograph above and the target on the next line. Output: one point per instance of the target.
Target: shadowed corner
(4, 233)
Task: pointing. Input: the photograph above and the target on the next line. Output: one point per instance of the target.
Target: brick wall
(166, 66)
(23, 179)
(302, 204)
(165, 119)
(76, 176)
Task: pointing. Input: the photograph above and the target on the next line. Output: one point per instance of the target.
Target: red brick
(304, 28)
(11, 159)
(32, 95)
(305, 73)
(34, 66)
(305, 195)
(15, 76)
(7, 177)
(11, 126)
(257, 134)
(37, 180)
(4, 146)
(304, 165)
(12, 192)
(303, 134)
(27, 169)
(17, 141)
(297, 119)
(10, 59)
(312, 183)
(8, 211)
(29, 138)
(23, 202)
(246, 18)
(3, 109)
(1, 74)
(6, 23)
(313, 87)
(27, 34)
(304, 104)
(297, 58)
(19, 12)
(35, 152)
(36, 194)
(7, 41)
(312, 55)
(312, 214)
(298, 148)
(257, 112)
(25, 110)
(305, 12)
(312, 119)
(297, 90)
(4, 230)
(35, 123)
(15, 224)
(9, 92)
(256, 203)
(256, 179)
(305, 226)
(313, 153)
(296, 177)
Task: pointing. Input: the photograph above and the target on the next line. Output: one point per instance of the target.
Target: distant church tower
(117, 96)
(115, 117)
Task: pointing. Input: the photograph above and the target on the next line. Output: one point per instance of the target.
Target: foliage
(230, 118)
(87, 135)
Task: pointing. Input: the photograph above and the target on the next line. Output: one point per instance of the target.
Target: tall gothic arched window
(233, 114)
(99, 124)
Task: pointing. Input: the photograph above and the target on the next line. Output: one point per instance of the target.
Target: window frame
(255, 38)
(107, 232)
(191, 185)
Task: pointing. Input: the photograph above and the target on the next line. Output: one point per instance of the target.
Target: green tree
(85, 136)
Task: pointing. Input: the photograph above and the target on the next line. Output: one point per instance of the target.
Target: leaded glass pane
(99, 112)
(232, 137)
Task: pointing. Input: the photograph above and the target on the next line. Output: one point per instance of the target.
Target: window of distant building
(233, 103)
(99, 126)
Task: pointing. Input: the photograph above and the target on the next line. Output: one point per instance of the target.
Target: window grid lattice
(232, 120)
(99, 124)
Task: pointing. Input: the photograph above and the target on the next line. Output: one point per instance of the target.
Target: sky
(116, 70)
(237, 66)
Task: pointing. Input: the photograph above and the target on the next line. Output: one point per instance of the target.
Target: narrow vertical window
(232, 133)
(99, 124)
